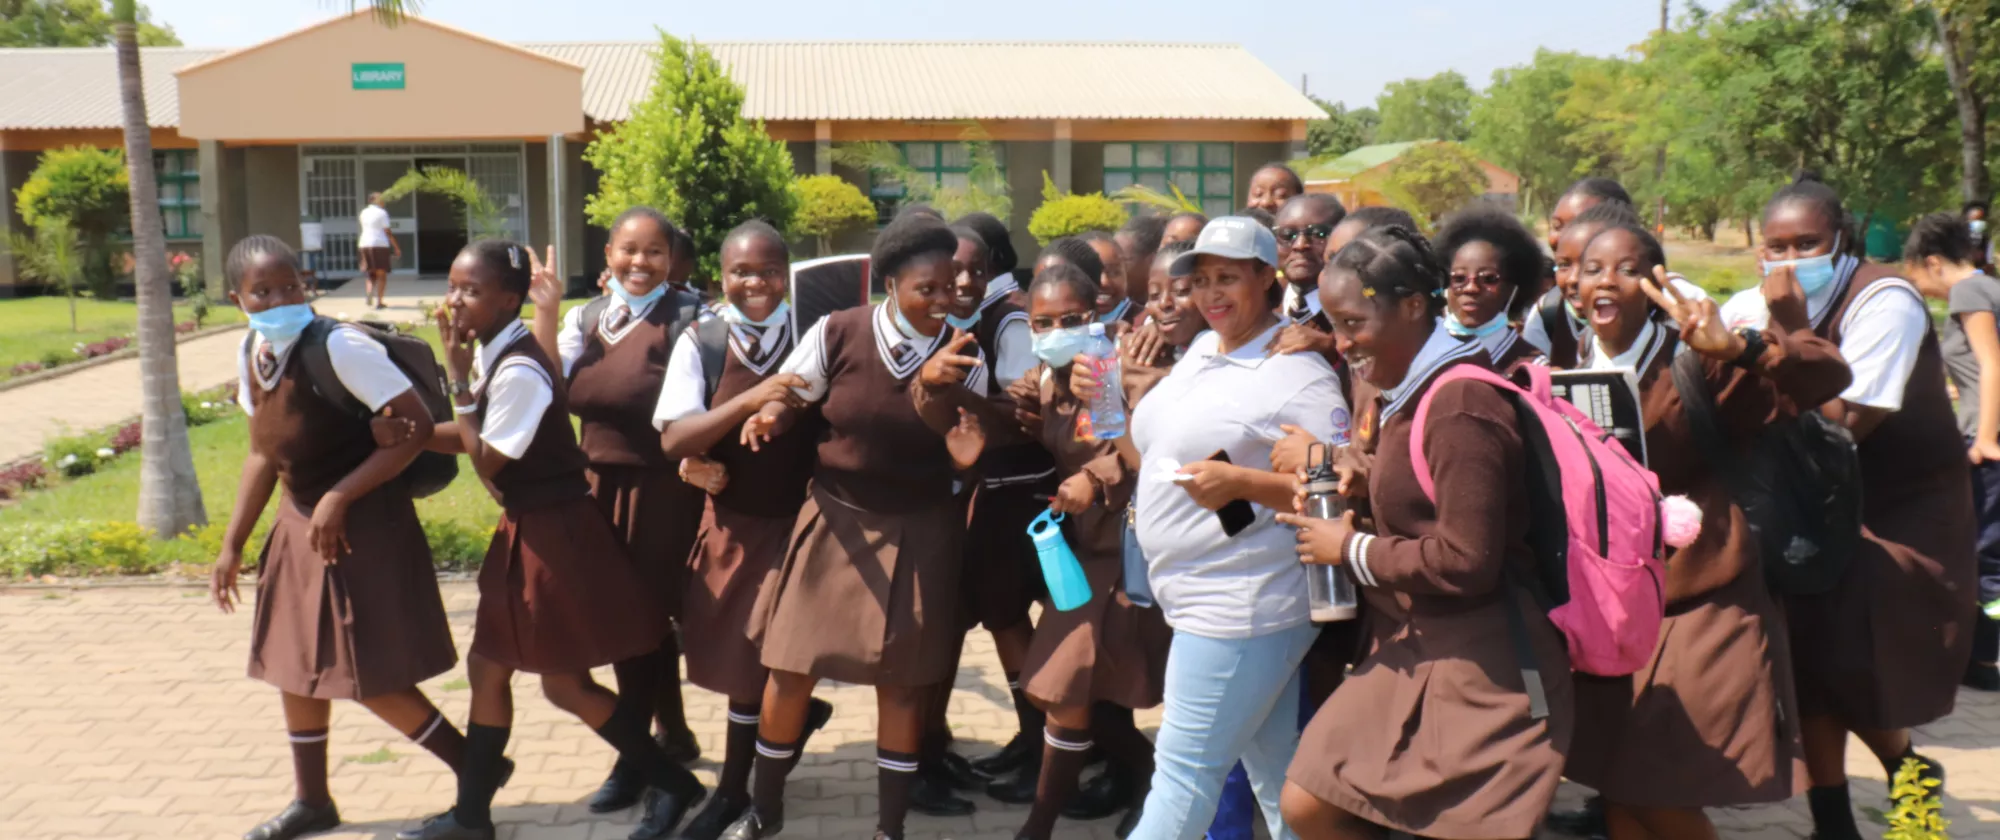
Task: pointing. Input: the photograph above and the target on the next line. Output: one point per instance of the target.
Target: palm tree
(169, 497)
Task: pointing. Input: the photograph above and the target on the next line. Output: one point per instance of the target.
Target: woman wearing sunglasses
(1496, 268)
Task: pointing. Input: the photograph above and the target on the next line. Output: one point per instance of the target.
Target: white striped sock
(748, 720)
(896, 765)
(308, 738)
(1066, 746)
(768, 751)
(437, 720)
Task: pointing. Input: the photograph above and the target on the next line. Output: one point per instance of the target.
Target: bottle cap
(1097, 330)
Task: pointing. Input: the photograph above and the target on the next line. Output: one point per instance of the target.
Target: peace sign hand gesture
(949, 366)
(545, 289)
(1701, 322)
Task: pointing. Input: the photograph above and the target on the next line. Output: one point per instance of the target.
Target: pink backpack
(1598, 527)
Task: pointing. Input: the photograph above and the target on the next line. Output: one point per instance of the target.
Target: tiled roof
(78, 88)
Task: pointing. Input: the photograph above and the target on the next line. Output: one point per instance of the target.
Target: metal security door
(500, 174)
(333, 198)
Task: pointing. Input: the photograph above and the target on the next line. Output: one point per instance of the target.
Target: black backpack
(711, 340)
(431, 471)
(1799, 486)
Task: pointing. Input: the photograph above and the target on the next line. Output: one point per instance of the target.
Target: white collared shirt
(1535, 332)
(808, 358)
(570, 340)
(1208, 583)
(1307, 302)
(361, 364)
(684, 392)
(517, 394)
(1880, 336)
(1636, 358)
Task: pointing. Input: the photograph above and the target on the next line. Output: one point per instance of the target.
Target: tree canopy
(71, 23)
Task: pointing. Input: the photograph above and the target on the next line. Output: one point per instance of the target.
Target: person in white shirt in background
(379, 251)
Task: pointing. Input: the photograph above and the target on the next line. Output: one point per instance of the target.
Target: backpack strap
(319, 367)
(1699, 405)
(1472, 372)
(711, 341)
(1551, 312)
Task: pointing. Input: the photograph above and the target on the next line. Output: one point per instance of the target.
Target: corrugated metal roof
(953, 81)
(1358, 161)
(58, 88)
(78, 88)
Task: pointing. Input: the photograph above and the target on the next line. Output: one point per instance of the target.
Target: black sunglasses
(1289, 235)
(1066, 322)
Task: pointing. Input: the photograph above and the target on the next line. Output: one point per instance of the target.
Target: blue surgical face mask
(778, 313)
(1813, 273)
(903, 323)
(1116, 312)
(280, 324)
(632, 301)
(1460, 330)
(1977, 227)
(1059, 347)
(965, 324)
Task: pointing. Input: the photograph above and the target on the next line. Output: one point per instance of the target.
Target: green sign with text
(378, 76)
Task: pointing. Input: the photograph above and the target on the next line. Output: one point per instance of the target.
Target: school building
(301, 128)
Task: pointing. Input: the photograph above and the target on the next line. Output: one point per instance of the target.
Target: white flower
(106, 453)
(206, 404)
(67, 461)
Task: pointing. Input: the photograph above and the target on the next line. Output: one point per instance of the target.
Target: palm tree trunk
(169, 497)
(1971, 112)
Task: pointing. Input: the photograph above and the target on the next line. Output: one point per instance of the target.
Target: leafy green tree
(1437, 108)
(1526, 123)
(483, 218)
(1342, 131)
(1066, 214)
(828, 206)
(688, 152)
(52, 257)
(87, 192)
(1434, 179)
(72, 23)
(1964, 29)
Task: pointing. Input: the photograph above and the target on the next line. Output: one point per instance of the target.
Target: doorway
(336, 180)
(441, 230)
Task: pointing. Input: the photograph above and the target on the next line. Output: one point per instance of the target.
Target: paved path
(109, 393)
(124, 713)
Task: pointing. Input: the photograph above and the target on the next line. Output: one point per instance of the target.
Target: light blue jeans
(1226, 699)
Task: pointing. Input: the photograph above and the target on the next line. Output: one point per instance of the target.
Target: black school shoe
(754, 826)
(955, 771)
(681, 747)
(445, 826)
(1981, 676)
(1020, 788)
(622, 789)
(662, 811)
(297, 820)
(717, 816)
(1587, 822)
(1110, 792)
(1010, 758)
(934, 798)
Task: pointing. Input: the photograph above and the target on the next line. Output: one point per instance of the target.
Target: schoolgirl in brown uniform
(342, 613)
(1494, 268)
(753, 496)
(1433, 732)
(868, 590)
(558, 594)
(1885, 649)
(614, 353)
(1712, 720)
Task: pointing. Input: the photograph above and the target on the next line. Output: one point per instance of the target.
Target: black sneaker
(445, 826)
(297, 820)
(754, 826)
(1010, 758)
(622, 789)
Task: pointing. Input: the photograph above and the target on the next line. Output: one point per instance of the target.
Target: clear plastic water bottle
(1329, 593)
(1107, 411)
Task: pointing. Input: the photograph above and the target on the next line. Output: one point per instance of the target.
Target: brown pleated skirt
(1001, 576)
(558, 594)
(1108, 649)
(371, 624)
(657, 516)
(1710, 722)
(865, 597)
(736, 558)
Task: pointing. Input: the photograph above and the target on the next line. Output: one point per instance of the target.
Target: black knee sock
(1985, 640)
(626, 732)
(1031, 719)
(896, 775)
(442, 739)
(309, 767)
(639, 680)
(774, 762)
(669, 712)
(739, 751)
(1063, 752)
(479, 775)
(1113, 728)
(1833, 815)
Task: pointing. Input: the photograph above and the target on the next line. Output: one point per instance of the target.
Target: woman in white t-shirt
(379, 250)
(1234, 593)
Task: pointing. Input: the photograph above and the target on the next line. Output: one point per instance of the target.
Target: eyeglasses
(1289, 235)
(1492, 280)
(1066, 322)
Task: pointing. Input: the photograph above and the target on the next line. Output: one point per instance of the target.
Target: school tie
(267, 363)
(620, 316)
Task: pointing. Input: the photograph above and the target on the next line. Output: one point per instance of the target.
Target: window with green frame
(178, 172)
(1204, 172)
(948, 164)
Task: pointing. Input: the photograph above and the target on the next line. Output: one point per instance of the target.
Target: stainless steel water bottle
(1328, 589)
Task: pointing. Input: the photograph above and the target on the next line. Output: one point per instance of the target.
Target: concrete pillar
(214, 239)
(559, 187)
(823, 147)
(1062, 155)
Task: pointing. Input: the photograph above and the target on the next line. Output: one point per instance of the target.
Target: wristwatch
(1753, 348)
(459, 388)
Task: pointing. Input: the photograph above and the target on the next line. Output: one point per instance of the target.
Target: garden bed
(35, 335)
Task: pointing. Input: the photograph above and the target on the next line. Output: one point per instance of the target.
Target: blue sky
(1347, 49)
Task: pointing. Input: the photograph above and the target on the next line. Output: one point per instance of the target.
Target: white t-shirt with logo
(374, 228)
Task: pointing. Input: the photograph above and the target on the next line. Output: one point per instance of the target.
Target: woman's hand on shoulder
(1300, 338)
(1292, 452)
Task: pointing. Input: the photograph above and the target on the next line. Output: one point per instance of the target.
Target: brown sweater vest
(551, 471)
(770, 482)
(1919, 442)
(877, 454)
(614, 387)
(314, 443)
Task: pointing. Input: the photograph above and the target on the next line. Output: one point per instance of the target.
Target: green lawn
(1721, 270)
(31, 328)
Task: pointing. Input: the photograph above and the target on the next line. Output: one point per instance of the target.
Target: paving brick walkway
(124, 713)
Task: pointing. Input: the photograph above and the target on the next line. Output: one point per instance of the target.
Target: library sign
(378, 76)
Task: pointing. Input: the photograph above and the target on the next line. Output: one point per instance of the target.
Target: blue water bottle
(1068, 588)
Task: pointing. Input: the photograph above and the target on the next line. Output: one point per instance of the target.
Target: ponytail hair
(509, 262)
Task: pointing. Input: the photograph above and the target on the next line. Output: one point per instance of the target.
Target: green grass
(31, 328)
(1722, 271)
(381, 755)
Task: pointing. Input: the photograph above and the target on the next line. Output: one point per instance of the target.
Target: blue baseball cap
(1229, 237)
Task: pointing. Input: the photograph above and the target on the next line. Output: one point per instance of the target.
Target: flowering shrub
(25, 368)
(75, 547)
(103, 348)
(23, 476)
(127, 439)
(185, 327)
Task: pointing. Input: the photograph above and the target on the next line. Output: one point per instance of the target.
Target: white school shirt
(374, 228)
(808, 359)
(1880, 335)
(569, 340)
(1535, 332)
(684, 391)
(1014, 344)
(521, 393)
(1208, 583)
(361, 364)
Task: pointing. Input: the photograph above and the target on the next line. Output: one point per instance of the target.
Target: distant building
(299, 129)
(1356, 177)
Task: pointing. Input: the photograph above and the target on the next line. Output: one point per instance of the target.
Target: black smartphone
(1237, 515)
